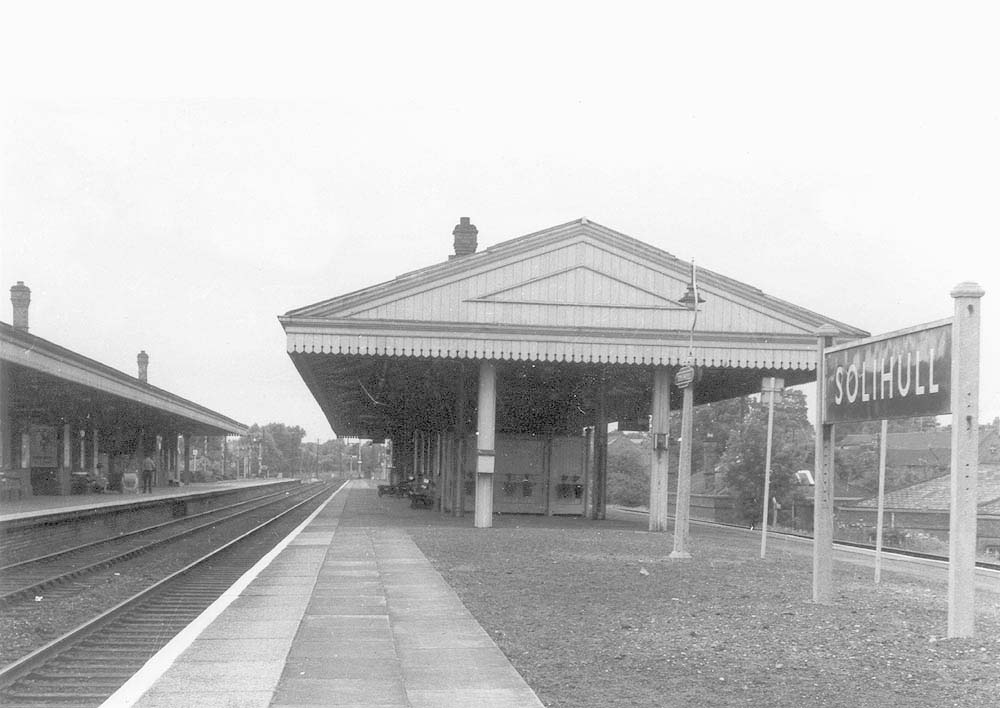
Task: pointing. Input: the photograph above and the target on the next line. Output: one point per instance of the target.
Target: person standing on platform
(148, 470)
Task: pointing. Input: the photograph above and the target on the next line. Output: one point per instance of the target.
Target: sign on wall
(44, 446)
(897, 375)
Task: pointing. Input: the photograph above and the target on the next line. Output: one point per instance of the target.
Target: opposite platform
(344, 615)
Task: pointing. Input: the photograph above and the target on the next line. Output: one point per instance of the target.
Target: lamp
(688, 299)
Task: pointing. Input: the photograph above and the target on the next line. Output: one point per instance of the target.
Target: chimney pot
(20, 297)
(143, 359)
(465, 234)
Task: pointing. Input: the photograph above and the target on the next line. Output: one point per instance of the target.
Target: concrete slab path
(349, 615)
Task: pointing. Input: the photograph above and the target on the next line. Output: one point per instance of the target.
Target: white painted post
(486, 426)
(880, 518)
(682, 516)
(823, 497)
(770, 392)
(96, 451)
(964, 459)
(589, 472)
(659, 460)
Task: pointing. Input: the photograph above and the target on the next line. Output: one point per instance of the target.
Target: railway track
(44, 573)
(87, 664)
(892, 551)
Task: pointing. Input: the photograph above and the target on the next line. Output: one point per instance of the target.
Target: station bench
(420, 499)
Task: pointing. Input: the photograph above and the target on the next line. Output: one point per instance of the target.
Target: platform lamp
(691, 299)
(691, 295)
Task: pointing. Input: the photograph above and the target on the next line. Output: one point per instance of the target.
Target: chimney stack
(20, 297)
(465, 237)
(143, 360)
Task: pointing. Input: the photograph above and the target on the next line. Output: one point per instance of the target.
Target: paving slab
(350, 614)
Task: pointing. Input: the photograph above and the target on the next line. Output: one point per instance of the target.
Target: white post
(964, 459)
(823, 496)
(682, 516)
(486, 424)
(770, 392)
(880, 519)
(659, 462)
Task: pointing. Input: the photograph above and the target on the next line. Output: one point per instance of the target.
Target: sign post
(880, 515)
(684, 379)
(927, 370)
(823, 494)
(770, 390)
(964, 461)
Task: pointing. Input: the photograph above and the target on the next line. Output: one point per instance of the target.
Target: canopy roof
(578, 294)
(46, 378)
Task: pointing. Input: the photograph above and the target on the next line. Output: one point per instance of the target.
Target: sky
(173, 179)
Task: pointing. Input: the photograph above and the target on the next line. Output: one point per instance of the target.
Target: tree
(857, 464)
(628, 471)
(742, 461)
(280, 448)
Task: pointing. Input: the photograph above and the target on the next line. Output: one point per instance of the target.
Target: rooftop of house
(935, 494)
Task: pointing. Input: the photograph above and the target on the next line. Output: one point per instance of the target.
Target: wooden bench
(419, 499)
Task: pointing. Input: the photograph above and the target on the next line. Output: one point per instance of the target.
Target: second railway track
(90, 662)
(45, 573)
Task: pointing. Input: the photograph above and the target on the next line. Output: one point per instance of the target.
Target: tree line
(729, 448)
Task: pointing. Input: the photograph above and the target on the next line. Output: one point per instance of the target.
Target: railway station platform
(60, 522)
(345, 612)
(47, 505)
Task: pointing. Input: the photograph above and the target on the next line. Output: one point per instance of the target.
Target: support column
(589, 473)
(458, 505)
(159, 476)
(67, 459)
(186, 473)
(96, 450)
(659, 429)
(964, 460)
(486, 427)
(823, 499)
(682, 517)
(601, 453)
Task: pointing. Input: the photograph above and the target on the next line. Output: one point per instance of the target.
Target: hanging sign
(684, 376)
(770, 389)
(901, 374)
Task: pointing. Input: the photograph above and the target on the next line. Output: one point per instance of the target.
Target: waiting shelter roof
(578, 294)
(47, 377)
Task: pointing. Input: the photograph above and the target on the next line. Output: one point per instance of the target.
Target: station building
(65, 417)
(496, 371)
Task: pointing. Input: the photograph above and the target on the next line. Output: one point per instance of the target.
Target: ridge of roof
(639, 248)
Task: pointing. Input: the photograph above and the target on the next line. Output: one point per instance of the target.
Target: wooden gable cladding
(578, 292)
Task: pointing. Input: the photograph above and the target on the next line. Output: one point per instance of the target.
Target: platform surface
(348, 613)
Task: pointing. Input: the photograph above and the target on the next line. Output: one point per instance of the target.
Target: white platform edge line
(136, 687)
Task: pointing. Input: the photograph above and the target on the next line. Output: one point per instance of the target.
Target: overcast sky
(174, 181)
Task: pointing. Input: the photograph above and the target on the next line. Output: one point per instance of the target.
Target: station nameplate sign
(894, 376)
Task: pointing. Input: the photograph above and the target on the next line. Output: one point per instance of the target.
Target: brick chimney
(20, 297)
(143, 359)
(465, 238)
